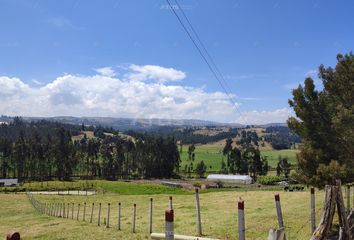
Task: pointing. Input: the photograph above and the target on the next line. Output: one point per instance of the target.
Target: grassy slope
(212, 156)
(17, 213)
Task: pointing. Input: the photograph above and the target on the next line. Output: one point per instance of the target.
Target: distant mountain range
(123, 124)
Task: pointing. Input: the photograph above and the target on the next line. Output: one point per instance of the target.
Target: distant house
(231, 179)
(6, 123)
(8, 182)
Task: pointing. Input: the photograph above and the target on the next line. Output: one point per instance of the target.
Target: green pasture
(212, 156)
(218, 213)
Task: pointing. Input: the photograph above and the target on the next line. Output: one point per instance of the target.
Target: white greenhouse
(235, 179)
(8, 182)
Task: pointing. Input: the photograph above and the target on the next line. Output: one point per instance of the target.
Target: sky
(131, 58)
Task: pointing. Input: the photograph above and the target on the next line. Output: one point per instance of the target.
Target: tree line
(245, 158)
(281, 137)
(40, 154)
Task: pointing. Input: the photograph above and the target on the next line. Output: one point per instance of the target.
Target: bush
(269, 180)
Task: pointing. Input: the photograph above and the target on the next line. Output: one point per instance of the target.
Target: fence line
(62, 210)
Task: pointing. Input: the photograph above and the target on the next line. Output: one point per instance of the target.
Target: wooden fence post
(108, 212)
(84, 215)
(64, 212)
(119, 216)
(313, 211)
(99, 215)
(134, 217)
(72, 211)
(348, 199)
(60, 209)
(150, 216)
(169, 226)
(170, 203)
(199, 223)
(241, 220)
(279, 213)
(93, 206)
(78, 212)
(68, 209)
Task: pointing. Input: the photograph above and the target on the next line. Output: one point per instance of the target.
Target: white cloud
(155, 73)
(106, 71)
(106, 95)
(262, 117)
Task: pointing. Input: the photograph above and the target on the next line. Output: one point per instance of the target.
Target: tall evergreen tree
(325, 122)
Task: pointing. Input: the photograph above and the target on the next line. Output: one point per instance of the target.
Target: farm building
(233, 179)
(8, 182)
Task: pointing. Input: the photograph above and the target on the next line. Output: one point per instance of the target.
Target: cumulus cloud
(154, 72)
(104, 94)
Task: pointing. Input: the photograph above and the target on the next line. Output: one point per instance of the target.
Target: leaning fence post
(108, 211)
(84, 215)
(279, 213)
(169, 227)
(93, 205)
(199, 224)
(150, 216)
(241, 220)
(99, 215)
(78, 212)
(313, 213)
(119, 216)
(134, 216)
(170, 203)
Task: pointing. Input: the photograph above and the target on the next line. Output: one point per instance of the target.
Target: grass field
(218, 213)
(212, 156)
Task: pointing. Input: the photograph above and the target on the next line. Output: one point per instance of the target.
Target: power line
(206, 51)
(205, 58)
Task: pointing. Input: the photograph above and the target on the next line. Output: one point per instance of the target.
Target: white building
(224, 178)
(8, 182)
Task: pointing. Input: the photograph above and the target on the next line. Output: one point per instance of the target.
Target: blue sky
(133, 59)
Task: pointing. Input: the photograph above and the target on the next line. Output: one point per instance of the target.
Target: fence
(68, 210)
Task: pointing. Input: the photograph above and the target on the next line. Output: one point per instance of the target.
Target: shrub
(269, 180)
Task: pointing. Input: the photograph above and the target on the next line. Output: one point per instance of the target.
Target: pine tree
(325, 122)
